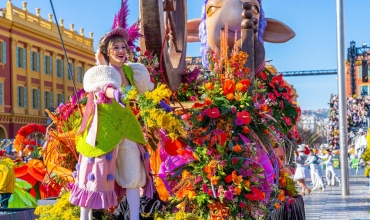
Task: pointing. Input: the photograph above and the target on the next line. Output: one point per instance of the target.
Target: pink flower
(233, 110)
(204, 188)
(244, 117)
(229, 195)
(287, 120)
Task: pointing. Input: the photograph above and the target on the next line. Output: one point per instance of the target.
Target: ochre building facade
(33, 66)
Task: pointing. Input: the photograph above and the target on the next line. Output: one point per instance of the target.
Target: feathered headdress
(120, 20)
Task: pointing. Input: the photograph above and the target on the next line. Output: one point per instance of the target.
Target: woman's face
(117, 53)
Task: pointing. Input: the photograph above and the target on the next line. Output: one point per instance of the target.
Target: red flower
(287, 120)
(262, 75)
(271, 96)
(242, 205)
(229, 86)
(228, 178)
(146, 53)
(281, 104)
(244, 117)
(234, 160)
(245, 82)
(257, 195)
(213, 113)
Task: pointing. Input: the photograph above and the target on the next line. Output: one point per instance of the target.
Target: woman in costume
(111, 150)
(301, 172)
(316, 173)
(330, 169)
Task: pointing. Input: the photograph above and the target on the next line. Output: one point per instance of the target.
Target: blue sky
(313, 48)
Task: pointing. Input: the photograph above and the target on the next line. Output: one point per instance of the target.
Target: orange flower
(282, 192)
(277, 205)
(281, 198)
(237, 190)
(237, 148)
(200, 118)
(207, 101)
(213, 164)
(240, 87)
(245, 129)
(230, 96)
(207, 169)
(236, 179)
(214, 180)
(228, 87)
(185, 174)
(282, 181)
(191, 194)
(208, 86)
(238, 97)
(247, 183)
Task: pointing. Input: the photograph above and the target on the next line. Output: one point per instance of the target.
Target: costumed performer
(111, 150)
(301, 172)
(316, 173)
(330, 169)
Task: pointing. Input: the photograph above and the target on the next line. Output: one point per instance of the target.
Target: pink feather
(121, 15)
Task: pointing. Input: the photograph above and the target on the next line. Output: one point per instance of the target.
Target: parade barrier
(17, 213)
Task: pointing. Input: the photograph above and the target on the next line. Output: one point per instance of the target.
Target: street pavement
(330, 204)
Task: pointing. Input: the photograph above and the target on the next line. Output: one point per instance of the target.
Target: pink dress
(94, 186)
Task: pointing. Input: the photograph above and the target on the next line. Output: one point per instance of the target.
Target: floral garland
(24, 132)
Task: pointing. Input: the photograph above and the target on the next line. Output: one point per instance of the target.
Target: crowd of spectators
(357, 117)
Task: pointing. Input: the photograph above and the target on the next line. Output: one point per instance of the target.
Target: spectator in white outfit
(330, 169)
(316, 174)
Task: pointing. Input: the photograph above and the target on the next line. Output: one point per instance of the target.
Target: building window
(1, 93)
(35, 61)
(60, 99)
(20, 54)
(359, 71)
(59, 68)
(71, 71)
(80, 74)
(49, 100)
(2, 52)
(363, 90)
(48, 65)
(36, 99)
(22, 96)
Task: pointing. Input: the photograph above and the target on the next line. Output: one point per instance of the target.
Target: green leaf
(22, 184)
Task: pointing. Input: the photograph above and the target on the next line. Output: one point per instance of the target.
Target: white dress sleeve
(141, 78)
(98, 77)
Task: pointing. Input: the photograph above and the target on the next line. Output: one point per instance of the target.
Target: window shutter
(51, 100)
(18, 96)
(46, 100)
(38, 62)
(24, 58)
(45, 71)
(38, 99)
(33, 98)
(4, 52)
(31, 55)
(25, 97)
(56, 67)
(62, 69)
(68, 69)
(73, 71)
(1, 93)
(51, 66)
(17, 56)
(62, 98)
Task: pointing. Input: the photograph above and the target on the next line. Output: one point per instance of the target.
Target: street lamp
(352, 55)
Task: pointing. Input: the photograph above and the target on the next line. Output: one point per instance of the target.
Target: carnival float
(221, 141)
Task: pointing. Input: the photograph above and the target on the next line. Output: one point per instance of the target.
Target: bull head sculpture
(217, 13)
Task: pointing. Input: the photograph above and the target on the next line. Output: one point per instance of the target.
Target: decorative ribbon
(149, 185)
(91, 108)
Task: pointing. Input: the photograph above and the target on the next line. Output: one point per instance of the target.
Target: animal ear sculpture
(193, 30)
(277, 32)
